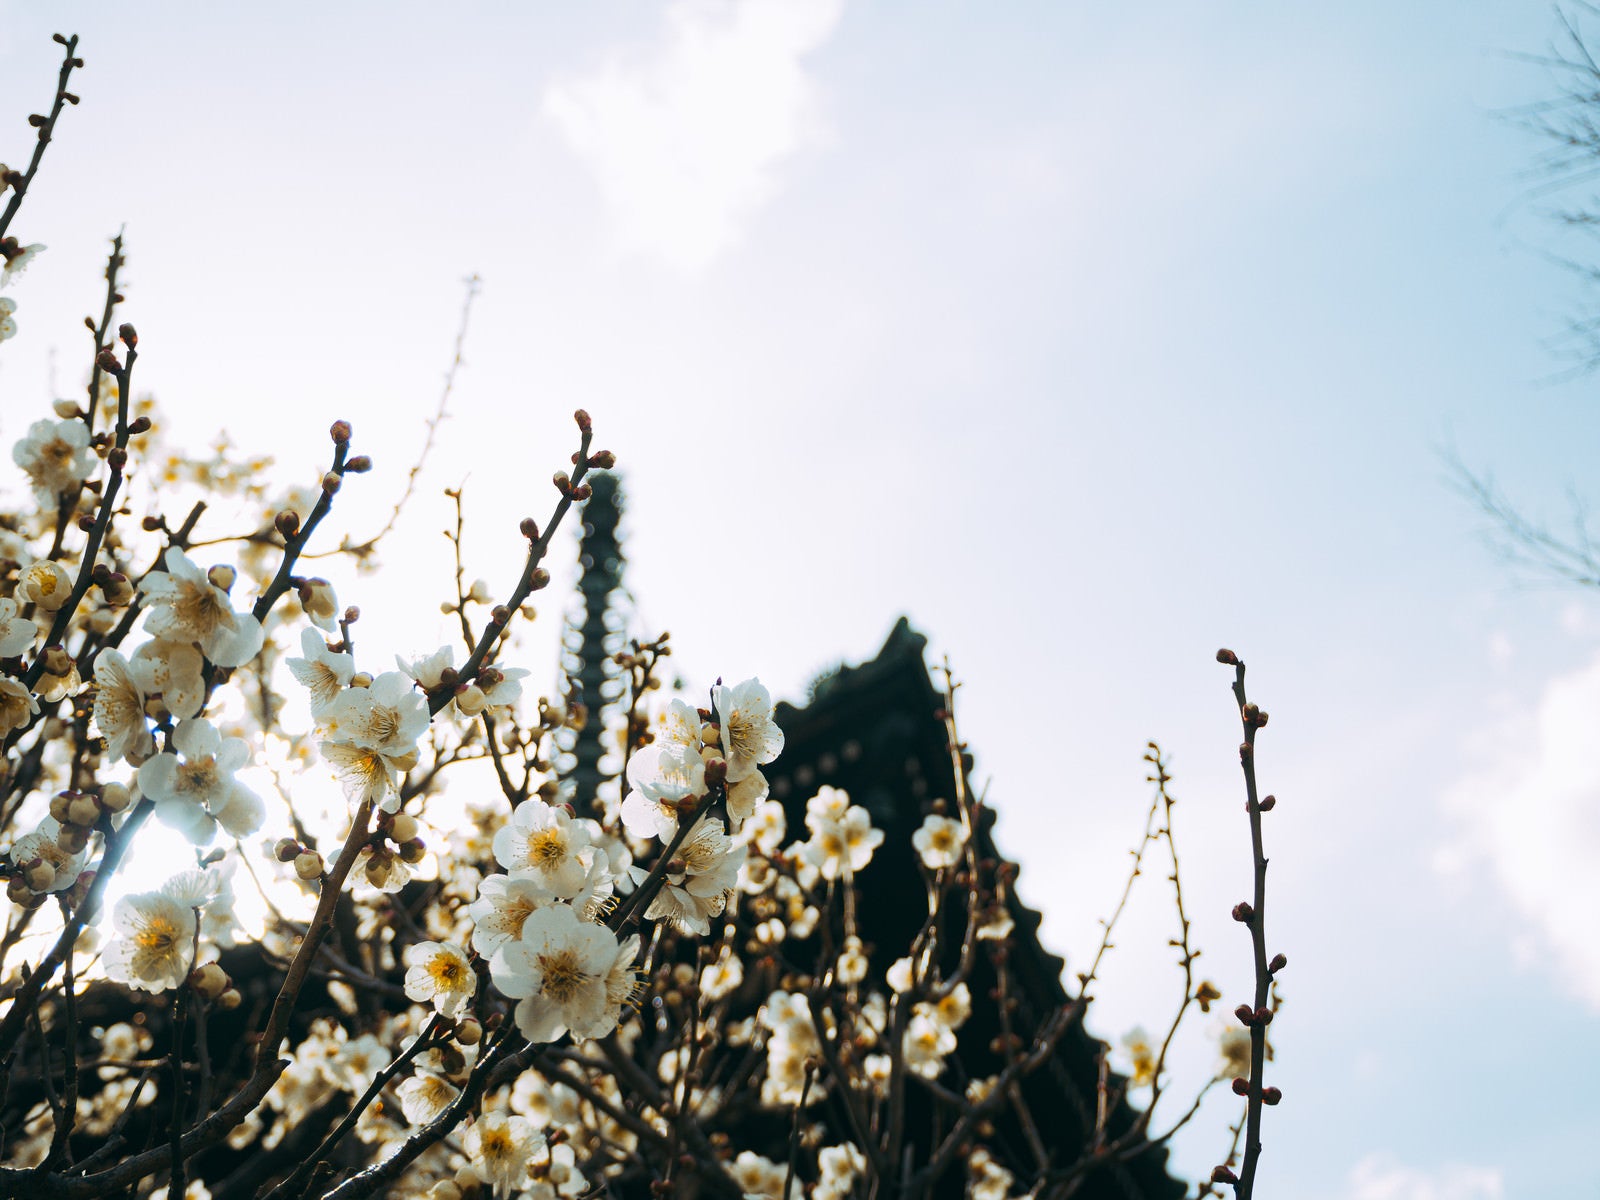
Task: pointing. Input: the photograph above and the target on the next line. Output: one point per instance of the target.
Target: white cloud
(1533, 816)
(684, 140)
(1380, 1177)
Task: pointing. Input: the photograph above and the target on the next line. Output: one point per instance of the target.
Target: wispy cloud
(1533, 817)
(685, 139)
(1380, 1177)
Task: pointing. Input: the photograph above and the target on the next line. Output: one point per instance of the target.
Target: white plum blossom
(927, 1043)
(45, 584)
(154, 943)
(722, 977)
(119, 709)
(175, 671)
(322, 672)
(1233, 1052)
(950, 1010)
(503, 904)
(372, 737)
(424, 1096)
(56, 458)
(8, 324)
(438, 973)
(699, 877)
(501, 1146)
(19, 260)
(1139, 1056)
(18, 705)
(663, 776)
(758, 1175)
(17, 632)
(558, 969)
(428, 670)
(183, 605)
(197, 792)
(940, 842)
(549, 843)
(320, 603)
(41, 861)
(841, 847)
(838, 1168)
(750, 737)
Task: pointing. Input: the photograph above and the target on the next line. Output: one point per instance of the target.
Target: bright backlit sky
(1093, 337)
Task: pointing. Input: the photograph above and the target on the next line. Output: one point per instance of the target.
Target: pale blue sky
(1093, 337)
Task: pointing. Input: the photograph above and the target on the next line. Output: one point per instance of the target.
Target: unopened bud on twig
(1243, 911)
(359, 465)
(106, 360)
(138, 425)
(529, 528)
(331, 482)
(340, 432)
(128, 334)
(585, 425)
(1223, 1175)
(1278, 963)
(286, 850)
(1228, 657)
(1267, 803)
(563, 482)
(1271, 1095)
(1241, 1086)
(603, 460)
(541, 579)
(308, 865)
(1245, 1014)
(582, 492)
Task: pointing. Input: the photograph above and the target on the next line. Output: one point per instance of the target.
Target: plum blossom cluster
(283, 923)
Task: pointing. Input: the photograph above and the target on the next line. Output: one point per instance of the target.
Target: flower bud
(562, 481)
(331, 482)
(72, 838)
(340, 432)
(469, 1032)
(287, 523)
(585, 425)
(403, 827)
(500, 615)
(39, 875)
(209, 980)
(352, 614)
(603, 460)
(412, 851)
(128, 334)
(286, 850)
(1278, 963)
(308, 865)
(222, 576)
(115, 797)
(1241, 1086)
(470, 700)
(529, 528)
(541, 578)
(1243, 912)
(60, 805)
(359, 465)
(84, 810)
(1263, 1016)
(67, 410)
(106, 360)
(1271, 1095)
(582, 492)
(361, 679)
(1245, 1014)
(229, 999)
(1267, 803)
(138, 425)
(1223, 1175)
(716, 771)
